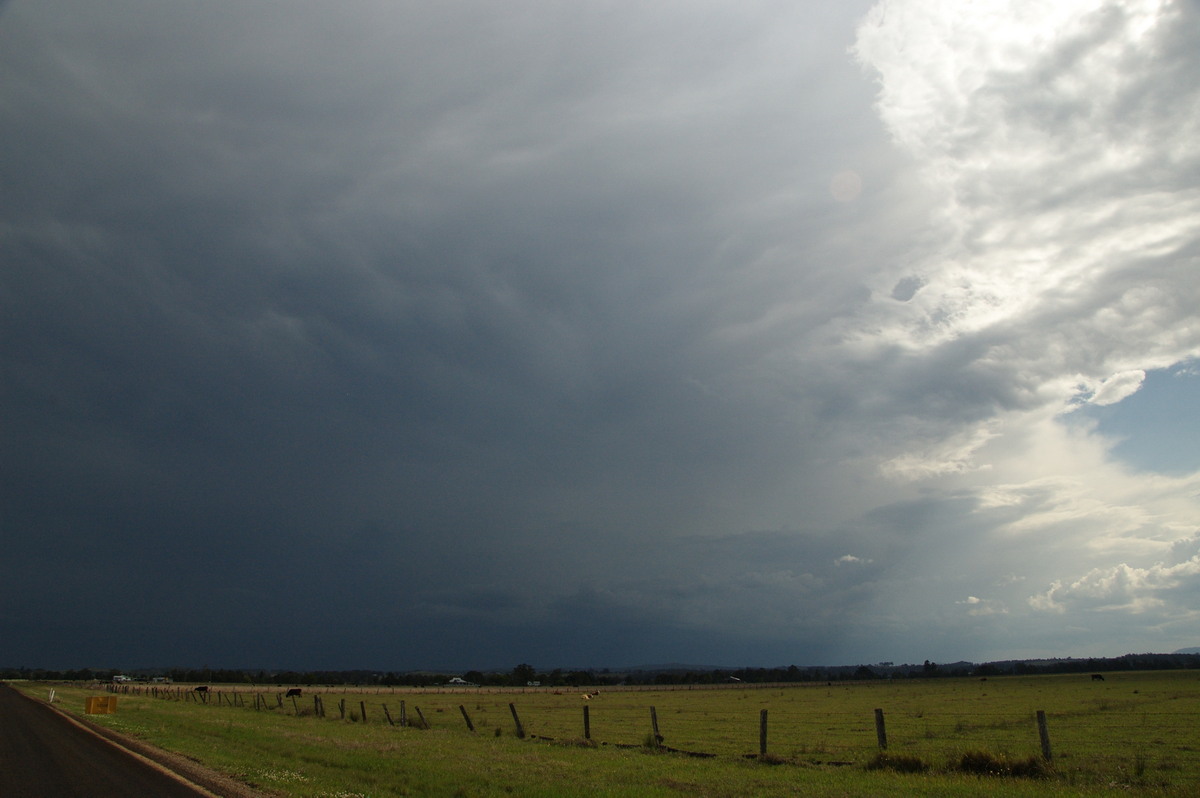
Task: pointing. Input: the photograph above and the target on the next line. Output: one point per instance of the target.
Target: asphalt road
(45, 755)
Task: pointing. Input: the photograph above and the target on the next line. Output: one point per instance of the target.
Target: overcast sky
(410, 335)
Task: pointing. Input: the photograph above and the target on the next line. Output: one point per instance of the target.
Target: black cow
(1097, 677)
(292, 691)
(202, 688)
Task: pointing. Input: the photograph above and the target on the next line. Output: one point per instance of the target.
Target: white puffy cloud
(977, 607)
(1118, 387)
(1126, 588)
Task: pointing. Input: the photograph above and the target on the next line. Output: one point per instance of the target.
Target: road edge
(215, 783)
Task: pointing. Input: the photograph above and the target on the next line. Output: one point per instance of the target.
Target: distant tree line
(524, 674)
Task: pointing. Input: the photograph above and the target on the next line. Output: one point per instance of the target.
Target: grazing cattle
(292, 691)
(1097, 677)
(202, 688)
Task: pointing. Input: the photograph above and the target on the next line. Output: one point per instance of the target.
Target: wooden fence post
(587, 723)
(403, 715)
(362, 705)
(421, 715)
(342, 707)
(880, 731)
(388, 715)
(467, 718)
(520, 729)
(658, 738)
(1044, 734)
(762, 733)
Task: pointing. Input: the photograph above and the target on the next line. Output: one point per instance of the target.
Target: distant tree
(523, 674)
(580, 678)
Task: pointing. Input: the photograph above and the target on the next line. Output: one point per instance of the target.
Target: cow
(292, 691)
(202, 688)
(1097, 677)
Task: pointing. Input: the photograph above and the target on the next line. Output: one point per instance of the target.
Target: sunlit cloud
(977, 607)
(1125, 588)
(1035, 125)
(1118, 387)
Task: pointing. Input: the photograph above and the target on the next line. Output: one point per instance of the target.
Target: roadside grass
(1132, 734)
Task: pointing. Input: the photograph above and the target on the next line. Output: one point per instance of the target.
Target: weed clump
(576, 742)
(900, 764)
(771, 759)
(982, 763)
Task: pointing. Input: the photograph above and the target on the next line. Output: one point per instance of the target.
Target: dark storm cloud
(586, 334)
(357, 303)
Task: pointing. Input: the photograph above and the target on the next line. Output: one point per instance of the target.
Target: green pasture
(1133, 733)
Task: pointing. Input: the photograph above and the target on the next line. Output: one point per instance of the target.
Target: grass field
(1131, 734)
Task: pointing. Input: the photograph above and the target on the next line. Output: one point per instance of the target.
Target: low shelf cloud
(381, 336)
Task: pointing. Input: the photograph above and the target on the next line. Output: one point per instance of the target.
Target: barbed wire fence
(1112, 735)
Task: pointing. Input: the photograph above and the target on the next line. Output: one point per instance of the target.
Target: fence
(1118, 732)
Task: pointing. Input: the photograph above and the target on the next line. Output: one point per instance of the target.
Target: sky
(456, 335)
